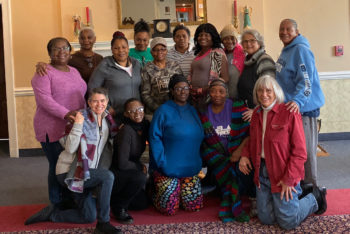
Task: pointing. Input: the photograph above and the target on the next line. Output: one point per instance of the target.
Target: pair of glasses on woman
(57, 49)
(179, 89)
(139, 110)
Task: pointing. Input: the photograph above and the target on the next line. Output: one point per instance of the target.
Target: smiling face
(87, 39)
(229, 43)
(287, 32)
(266, 96)
(250, 44)
(60, 53)
(218, 95)
(120, 50)
(205, 40)
(180, 93)
(181, 39)
(135, 111)
(159, 53)
(141, 40)
(98, 103)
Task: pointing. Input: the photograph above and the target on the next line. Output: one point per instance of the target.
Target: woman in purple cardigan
(58, 95)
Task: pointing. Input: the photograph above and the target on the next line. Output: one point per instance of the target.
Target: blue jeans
(102, 181)
(52, 151)
(272, 209)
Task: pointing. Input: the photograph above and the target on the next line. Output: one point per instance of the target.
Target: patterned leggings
(169, 193)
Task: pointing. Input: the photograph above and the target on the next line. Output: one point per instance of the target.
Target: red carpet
(13, 217)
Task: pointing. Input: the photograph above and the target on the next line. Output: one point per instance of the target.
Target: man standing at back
(297, 75)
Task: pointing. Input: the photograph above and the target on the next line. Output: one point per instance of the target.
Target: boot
(122, 216)
(42, 216)
(320, 195)
(106, 228)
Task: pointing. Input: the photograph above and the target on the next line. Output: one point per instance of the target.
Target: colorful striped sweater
(218, 159)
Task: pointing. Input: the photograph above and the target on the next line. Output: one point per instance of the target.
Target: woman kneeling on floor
(225, 133)
(83, 167)
(176, 134)
(277, 151)
(130, 174)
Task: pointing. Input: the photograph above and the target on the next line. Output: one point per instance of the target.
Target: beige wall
(325, 23)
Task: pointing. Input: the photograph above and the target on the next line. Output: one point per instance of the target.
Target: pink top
(56, 94)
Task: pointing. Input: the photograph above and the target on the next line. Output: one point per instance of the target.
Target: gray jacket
(67, 160)
(119, 84)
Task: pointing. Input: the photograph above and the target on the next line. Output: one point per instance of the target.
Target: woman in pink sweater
(58, 94)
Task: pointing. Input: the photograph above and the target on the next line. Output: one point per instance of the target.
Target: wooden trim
(9, 77)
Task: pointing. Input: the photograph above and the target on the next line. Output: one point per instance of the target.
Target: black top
(130, 146)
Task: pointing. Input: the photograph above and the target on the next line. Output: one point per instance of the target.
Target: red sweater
(284, 146)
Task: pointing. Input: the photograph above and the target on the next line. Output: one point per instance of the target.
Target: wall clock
(162, 28)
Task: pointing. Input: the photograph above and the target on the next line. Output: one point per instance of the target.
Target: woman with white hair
(257, 63)
(277, 153)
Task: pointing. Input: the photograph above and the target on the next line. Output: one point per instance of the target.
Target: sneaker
(320, 195)
(122, 216)
(42, 216)
(106, 228)
(306, 189)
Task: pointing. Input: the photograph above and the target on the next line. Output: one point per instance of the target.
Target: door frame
(9, 78)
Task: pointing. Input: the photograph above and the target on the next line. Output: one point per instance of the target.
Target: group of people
(222, 104)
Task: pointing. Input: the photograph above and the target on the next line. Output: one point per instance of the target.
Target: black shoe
(122, 216)
(320, 195)
(106, 228)
(42, 216)
(306, 188)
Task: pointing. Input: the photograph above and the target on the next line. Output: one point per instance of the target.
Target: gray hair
(268, 81)
(86, 29)
(98, 90)
(293, 22)
(255, 34)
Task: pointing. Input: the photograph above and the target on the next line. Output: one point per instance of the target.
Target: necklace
(90, 61)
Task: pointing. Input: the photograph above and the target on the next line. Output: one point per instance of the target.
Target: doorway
(3, 101)
(4, 135)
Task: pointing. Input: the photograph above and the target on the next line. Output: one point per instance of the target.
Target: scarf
(215, 63)
(87, 148)
(142, 127)
(238, 58)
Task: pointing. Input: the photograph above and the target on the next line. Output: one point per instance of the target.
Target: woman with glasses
(235, 58)
(141, 52)
(58, 94)
(130, 173)
(119, 74)
(257, 63)
(176, 134)
(156, 76)
(85, 60)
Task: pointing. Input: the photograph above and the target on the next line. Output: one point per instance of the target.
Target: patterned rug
(314, 224)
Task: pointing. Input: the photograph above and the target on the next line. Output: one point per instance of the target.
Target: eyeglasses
(179, 89)
(137, 110)
(57, 49)
(159, 50)
(251, 41)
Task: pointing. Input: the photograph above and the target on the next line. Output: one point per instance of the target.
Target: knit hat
(228, 30)
(176, 78)
(158, 41)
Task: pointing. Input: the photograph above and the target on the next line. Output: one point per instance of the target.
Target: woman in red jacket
(278, 162)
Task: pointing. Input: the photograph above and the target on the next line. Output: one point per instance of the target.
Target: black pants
(129, 190)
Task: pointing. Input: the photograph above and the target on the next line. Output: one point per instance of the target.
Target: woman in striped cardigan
(225, 135)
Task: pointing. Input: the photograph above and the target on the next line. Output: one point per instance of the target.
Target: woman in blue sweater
(174, 163)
